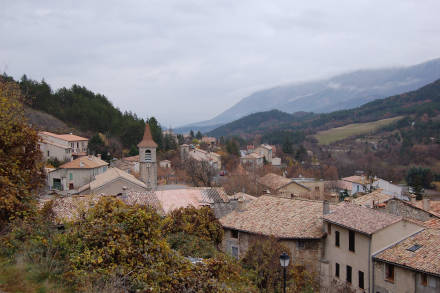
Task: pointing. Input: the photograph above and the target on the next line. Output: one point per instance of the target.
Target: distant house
(113, 182)
(411, 265)
(276, 162)
(79, 172)
(266, 151)
(389, 188)
(296, 223)
(358, 184)
(165, 164)
(354, 234)
(215, 198)
(209, 140)
(127, 164)
(373, 200)
(282, 186)
(253, 160)
(63, 147)
(316, 187)
(189, 151)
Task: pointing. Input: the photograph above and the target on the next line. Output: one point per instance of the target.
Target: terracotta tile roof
(361, 219)
(67, 137)
(87, 162)
(143, 199)
(356, 179)
(131, 159)
(275, 182)
(278, 217)
(55, 144)
(377, 196)
(432, 224)
(434, 206)
(425, 259)
(110, 175)
(253, 156)
(147, 141)
(241, 196)
(176, 198)
(71, 207)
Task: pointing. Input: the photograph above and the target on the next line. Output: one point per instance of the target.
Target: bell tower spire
(147, 159)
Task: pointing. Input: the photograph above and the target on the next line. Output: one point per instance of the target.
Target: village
(353, 234)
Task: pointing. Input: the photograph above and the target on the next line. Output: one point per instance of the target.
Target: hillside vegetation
(339, 133)
(425, 100)
(340, 92)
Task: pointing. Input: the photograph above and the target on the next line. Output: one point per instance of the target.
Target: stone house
(189, 151)
(113, 182)
(408, 210)
(358, 183)
(316, 187)
(354, 234)
(63, 147)
(79, 172)
(297, 223)
(127, 164)
(252, 160)
(389, 188)
(412, 265)
(166, 164)
(282, 186)
(266, 151)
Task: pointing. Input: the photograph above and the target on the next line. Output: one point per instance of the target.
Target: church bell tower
(147, 159)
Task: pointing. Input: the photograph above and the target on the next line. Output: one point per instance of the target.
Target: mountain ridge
(425, 99)
(343, 91)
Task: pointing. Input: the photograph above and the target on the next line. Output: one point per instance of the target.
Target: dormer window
(148, 155)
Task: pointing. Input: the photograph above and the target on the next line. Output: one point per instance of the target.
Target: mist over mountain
(340, 92)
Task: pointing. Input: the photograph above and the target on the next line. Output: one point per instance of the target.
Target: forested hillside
(425, 100)
(67, 109)
(340, 92)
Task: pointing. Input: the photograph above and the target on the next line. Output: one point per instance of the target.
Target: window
(351, 240)
(234, 233)
(389, 273)
(316, 188)
(70, 176)
(48, 153)
(300, 244)
(234, 251)
(337, 238)
(348, 274)
(148, 155)
(361, 280)
(337, 270)
(329, 228)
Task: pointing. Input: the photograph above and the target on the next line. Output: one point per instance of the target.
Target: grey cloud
(186, 61)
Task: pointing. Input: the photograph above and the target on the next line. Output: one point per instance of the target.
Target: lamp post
(284, 260)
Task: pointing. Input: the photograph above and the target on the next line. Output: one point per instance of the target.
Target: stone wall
(400, 208)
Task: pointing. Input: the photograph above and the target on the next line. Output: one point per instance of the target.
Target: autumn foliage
(20, 168)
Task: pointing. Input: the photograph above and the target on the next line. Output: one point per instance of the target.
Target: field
(332, 135)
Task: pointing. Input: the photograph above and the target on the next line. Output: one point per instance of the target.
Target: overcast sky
(186, 60)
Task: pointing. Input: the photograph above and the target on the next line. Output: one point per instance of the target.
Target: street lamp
(284, 260)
